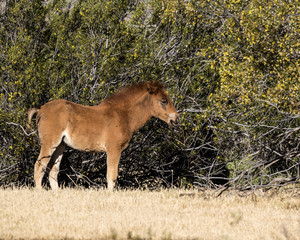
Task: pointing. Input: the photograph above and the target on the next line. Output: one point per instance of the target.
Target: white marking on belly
(67, 139)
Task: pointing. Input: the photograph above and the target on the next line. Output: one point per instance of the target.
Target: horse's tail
(31, 112)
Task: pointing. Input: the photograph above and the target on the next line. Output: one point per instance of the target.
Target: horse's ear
(151, 88)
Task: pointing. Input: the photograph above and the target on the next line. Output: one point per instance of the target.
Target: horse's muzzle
(175, 121)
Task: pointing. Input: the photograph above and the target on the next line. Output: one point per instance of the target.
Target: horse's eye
(164, 101)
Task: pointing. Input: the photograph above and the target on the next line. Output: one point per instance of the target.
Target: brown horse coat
(106, 127)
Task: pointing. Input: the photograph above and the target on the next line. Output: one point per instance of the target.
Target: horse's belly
(85, 142)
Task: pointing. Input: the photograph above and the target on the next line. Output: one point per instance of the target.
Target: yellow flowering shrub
(231, 67)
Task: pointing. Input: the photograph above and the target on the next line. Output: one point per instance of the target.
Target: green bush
(231, 67)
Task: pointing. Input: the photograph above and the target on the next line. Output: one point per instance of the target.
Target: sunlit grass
(165, 214)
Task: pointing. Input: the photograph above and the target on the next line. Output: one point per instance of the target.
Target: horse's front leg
(113, 158)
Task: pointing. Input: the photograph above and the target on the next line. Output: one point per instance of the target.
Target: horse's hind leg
(54, 165)
(41, 165)
(49, 146)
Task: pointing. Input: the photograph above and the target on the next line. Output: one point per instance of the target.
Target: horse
(107, 127)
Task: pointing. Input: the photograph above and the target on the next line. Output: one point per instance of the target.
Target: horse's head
(163, 107)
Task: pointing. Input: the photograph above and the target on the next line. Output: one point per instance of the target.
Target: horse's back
(61, 110)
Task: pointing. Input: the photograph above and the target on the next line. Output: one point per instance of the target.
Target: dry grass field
(166, 214)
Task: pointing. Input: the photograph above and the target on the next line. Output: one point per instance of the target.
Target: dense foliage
(232, 68)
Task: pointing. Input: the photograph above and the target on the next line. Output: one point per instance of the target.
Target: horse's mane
(134, 89)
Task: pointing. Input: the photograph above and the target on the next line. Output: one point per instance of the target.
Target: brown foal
(106, 127)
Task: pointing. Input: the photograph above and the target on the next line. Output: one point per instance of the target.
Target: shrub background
(231, 67)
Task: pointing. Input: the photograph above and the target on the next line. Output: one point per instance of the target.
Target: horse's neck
(139, 112)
